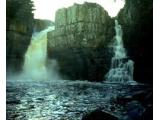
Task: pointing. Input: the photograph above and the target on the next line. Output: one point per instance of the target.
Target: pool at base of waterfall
(69, 100)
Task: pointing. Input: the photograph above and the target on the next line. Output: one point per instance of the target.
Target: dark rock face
(136, 19)
(99, 115)
(135, 110)
(80, 41)
(19, 30)
(138, 104)
(41, 24)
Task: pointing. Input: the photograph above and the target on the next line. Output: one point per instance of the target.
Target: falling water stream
(36, 55)
(121, 66)
(66, 99)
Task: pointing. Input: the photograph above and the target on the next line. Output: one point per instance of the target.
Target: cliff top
(85, 4)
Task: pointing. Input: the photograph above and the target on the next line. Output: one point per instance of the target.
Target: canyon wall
(19, 19)
(136, 19)
(80, 41)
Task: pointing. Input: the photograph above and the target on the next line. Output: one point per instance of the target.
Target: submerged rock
(80, 40)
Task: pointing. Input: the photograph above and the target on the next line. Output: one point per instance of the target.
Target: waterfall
(122, 67)
(36, 55)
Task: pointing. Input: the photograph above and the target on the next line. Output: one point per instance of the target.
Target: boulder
(99, 115)
(135, 110)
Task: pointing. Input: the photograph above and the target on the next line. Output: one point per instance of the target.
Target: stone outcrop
(18, 32)
(40, 24)
(79, 26)
(79, 41)
(136, 19)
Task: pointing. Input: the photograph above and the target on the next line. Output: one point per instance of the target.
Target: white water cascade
(36, 55)
(122, 68)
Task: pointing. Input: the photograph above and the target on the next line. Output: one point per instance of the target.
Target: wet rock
(123, 100)
(136, 19)
(40, 24)
(135, 110)
(148, 114)
(99, 115)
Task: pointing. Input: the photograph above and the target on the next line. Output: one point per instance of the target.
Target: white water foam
(122, 68)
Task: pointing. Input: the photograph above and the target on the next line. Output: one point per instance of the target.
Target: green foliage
(19, 11)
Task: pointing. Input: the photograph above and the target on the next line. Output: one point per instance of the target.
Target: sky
(45, 9)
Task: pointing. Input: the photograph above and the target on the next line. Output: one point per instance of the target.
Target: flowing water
(65, 99)
(41, 98)
(36, 56)
(121, 66)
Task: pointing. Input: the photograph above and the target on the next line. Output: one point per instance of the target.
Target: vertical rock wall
(136, 19)
(18, 32)
(79, 41)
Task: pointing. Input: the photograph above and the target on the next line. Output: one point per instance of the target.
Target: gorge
(79, 66)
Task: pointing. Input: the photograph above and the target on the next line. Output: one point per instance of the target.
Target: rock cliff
(80, 41)
(136, 19)
(18, 32)
(40, 24)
